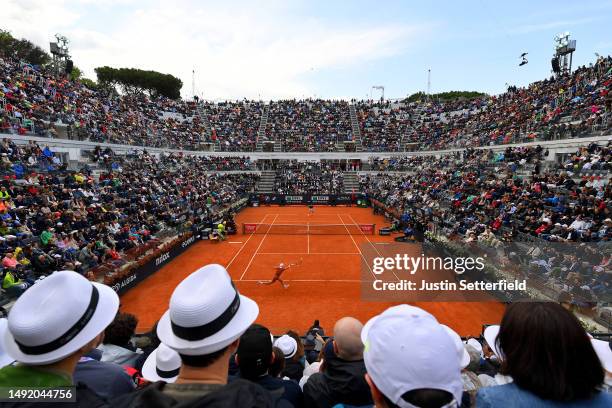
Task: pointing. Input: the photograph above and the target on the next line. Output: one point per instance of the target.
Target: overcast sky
(330, 49)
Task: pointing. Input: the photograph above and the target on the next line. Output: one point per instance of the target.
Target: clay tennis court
(325, 285)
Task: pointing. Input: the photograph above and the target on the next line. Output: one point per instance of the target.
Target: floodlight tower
(564, 50)
(428, 83)
(380, 88)
(61, 55)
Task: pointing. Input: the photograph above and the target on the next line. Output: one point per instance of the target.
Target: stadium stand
(304, 177)
(75, 233)
(234, 125)
(309, 125)
(33, 102)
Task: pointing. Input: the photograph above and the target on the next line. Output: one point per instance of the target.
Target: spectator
(410, 360)
(163, 364)
(13, 284)
(206, 318)
(342, 379)
(116, 347)
(278, 363)
(289, 346)
(108, 380)
(550, 359)
(47, 338)
(254, 357)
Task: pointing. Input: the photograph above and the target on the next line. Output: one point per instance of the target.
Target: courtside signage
(146, 270)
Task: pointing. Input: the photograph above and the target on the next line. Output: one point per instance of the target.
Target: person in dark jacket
(239, 393)
(55, 344)
(205, 341)
(254, 357)
(341, 380)
(294, 352)
(108, 380)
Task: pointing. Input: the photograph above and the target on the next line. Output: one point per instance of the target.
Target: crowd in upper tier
(308, 178)
(235, 125)
(34, 102)
(572, 105)
(565, 106)
(309, 125)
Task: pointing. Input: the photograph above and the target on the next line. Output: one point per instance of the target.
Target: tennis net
(308, 229)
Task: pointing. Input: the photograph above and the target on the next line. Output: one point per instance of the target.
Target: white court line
(242, 247)
(308, 237)
(311, 280)
(234, 242)
(373, 246)
(308, 253)
(356, 246)
(255, 253)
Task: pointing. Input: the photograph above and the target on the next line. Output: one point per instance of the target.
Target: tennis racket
(298, 263)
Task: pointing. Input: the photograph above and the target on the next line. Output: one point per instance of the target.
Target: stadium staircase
(351, 182)
(355, 128)
(261, 132)
(204, 120)
(266, 182)
(406, 140)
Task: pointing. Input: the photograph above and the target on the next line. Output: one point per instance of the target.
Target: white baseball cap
(57, 316)
(206, 313)
(287, 344)
(163, 364)
(476, 344)
(602, 348)
(490, 335)
(407, 349)
(464, 356)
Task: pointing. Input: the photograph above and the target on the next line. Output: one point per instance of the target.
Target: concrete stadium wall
(74, 147)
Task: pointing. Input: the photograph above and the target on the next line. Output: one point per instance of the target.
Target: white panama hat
(57, 316)
(5, 359)
(287, 344)
(206, 313)
(163, 364)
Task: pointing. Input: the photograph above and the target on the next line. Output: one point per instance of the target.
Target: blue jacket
(511, 396)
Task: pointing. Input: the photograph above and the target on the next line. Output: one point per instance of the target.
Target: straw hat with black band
(56, 317)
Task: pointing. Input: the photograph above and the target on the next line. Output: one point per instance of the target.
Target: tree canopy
(22, 49)
(132, 80)
(445, 96)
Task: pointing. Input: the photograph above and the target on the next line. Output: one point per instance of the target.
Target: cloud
(561, 24)
(248, 51)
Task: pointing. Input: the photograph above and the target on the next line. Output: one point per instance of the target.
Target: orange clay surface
(326, 286)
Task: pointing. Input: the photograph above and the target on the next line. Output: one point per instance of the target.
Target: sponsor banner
(367, 228)
(250, 228)
(326, 199)
(146, 270)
